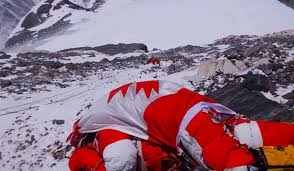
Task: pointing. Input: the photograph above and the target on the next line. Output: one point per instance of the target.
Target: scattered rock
(252, 51)
(4, 55)
(289, 95)
(52, 165)
(67, 148)
(251, 103)
(58, 155)
(290, 102)
(5, 83)
(58, 122)
(32, 140)
(256, 82)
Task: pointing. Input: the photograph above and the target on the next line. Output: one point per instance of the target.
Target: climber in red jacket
(163, 118)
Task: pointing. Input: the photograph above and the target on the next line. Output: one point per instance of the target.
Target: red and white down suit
(167, 114)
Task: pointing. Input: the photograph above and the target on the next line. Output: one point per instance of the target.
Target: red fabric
(164, 115)
(153, 60)
(75, 136)
(152, 155)
(85, 158)
(276, 133)
(219, 150)
(123, 89)
(109, 136)
(147, 86)
(239, 157)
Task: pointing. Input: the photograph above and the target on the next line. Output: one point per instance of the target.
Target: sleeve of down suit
(207, 143)
(118, 151)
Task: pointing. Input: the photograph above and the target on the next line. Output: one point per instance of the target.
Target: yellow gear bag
(279, 158)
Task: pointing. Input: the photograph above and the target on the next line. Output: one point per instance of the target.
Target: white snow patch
(280, 92)
(291, 56)
(258, 71)
(156, 23)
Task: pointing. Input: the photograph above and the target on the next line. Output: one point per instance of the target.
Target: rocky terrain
(59, 24)
(48, 19)
(42, 92)
(253, 75)
(269, 60)
(11, 12)
(289, 3)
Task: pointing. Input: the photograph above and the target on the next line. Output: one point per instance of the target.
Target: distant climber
(153, 60)
(156, 123)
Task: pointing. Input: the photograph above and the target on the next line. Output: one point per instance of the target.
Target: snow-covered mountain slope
(289, 3)
(11, 11)
(157, 23)
(43, 93)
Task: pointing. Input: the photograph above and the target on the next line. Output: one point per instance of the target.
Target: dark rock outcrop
(289, 3)
(41, 16)
(256, 82)
(251, 103)
(112, 49)
(27, 35)
(11, 11)
(289, 95)
(4, 55)
(31, 20)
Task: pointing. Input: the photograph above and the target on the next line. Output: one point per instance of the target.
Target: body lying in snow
(153, 124)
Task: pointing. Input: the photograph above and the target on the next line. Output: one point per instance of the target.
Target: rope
(24, 109)
(41, 100)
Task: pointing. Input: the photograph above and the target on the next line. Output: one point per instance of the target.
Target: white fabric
(243, 168)
(120, 156)
(193, 148)
(124, 114)
(240, 168)
(141, 157)
(192, 112)
(249, 133)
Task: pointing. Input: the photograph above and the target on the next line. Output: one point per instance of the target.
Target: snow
(84, 3)
(281, 91)
(97, 57)
(158, 23)
(35, 112)
(34, 9)
(291, 56)
(164, 24)
(258, 71)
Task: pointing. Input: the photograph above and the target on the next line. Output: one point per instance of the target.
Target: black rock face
(250, 102)
(4, 55)
(289, 3)
(112, 49)
(31, 20)
(289, 95)
(11, 11)
(256, 82)
(44, 9)
(40, 16)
